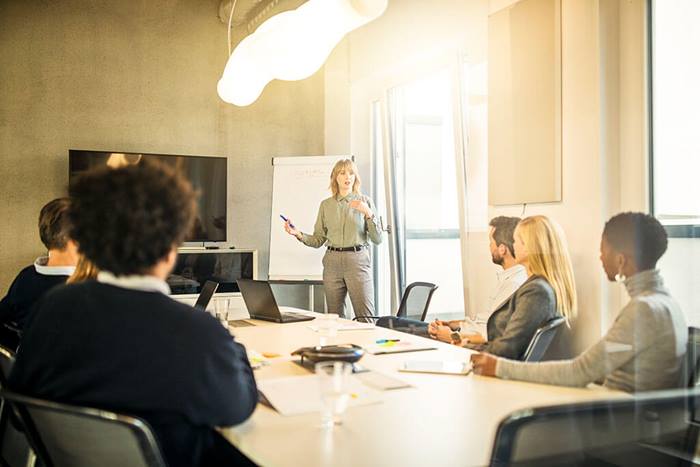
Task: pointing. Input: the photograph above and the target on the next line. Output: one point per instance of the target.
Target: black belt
(348, 248)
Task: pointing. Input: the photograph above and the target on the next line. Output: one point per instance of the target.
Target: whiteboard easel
(299, 184)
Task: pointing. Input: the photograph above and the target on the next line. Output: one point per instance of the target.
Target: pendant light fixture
(292, 45)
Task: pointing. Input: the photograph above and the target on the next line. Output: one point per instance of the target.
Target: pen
(285, 219)
(384, 341)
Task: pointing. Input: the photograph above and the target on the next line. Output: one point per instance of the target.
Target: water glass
(334, 381)
(327, 327)
(221, 306)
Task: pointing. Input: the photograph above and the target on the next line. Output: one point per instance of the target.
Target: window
(675, 148)
(425, 177)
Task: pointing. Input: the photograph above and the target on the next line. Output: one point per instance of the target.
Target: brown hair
(503, 228)
(54, 225)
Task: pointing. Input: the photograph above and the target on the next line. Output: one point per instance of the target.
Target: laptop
(205, 295)
(261, 303)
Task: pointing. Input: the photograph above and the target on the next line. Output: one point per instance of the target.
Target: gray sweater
(511, 327)
(642, 351)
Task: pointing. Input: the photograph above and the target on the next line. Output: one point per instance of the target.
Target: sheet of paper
(347, 326)
(296, 395)
(397, 347)
(382, 381)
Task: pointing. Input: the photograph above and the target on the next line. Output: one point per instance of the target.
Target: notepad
(398, 347)
(296, 395)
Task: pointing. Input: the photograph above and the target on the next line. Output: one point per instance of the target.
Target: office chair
(14, 447)
(64, 435)
(644, 430)
(541, 340)
(412, 310)
(692, 357)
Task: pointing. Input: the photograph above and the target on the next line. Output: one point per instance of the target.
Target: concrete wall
(603, 125)
(134, 76)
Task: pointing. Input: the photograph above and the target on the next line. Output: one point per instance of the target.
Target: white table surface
(442, 420)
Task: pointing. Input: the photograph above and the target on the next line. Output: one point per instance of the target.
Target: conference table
(440, 420)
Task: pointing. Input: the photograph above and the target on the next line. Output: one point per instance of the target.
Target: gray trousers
(348, 271)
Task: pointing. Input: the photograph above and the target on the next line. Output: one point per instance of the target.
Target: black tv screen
(207, 175)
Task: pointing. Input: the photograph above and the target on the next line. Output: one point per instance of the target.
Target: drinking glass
(334, 381)
(221, 311)
(327, 327)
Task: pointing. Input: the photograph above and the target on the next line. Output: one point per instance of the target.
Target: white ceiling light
(292, 45)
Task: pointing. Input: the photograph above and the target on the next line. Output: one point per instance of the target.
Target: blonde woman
(345, 223)
(548, 292)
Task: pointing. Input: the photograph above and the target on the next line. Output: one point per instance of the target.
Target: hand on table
(484, 364)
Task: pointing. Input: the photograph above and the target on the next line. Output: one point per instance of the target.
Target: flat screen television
(207, 175)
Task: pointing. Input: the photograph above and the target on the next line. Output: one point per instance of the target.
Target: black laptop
(205, 295)
(261, 303)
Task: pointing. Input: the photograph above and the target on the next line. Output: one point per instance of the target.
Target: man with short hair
(120, 342)
(46, 272)
(501, 230)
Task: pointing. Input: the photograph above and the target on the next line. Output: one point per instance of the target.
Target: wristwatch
(455, 336)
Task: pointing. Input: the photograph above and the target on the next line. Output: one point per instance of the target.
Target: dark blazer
(138, 353)
(511, 327)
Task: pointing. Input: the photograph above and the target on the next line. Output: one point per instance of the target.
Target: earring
(619, 277)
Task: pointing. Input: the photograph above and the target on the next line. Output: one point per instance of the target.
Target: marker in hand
(286, 220)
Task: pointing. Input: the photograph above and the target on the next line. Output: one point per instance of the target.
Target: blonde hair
(85, 270)
(548, 257)
(344, 164)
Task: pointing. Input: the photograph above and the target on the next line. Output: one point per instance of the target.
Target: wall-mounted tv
(207, 175)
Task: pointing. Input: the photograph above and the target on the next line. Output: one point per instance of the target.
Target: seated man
(119, 342)
(46, 272)
(510, 279)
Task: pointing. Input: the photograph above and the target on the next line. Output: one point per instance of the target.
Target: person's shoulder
(27, 273)
(536, 285)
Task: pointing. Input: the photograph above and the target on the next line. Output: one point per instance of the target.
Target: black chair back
(14, 447)
(65, 435)
(646, 430)
(541, 340)
(416, 300)
(692, 357)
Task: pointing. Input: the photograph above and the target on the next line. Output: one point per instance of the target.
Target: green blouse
(339, 226)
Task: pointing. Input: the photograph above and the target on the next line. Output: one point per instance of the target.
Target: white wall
(603, 131)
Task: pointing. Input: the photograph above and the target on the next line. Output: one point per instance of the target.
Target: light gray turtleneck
(642, 351)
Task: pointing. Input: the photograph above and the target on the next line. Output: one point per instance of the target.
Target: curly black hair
(127, 219)
(54, 225)
(639, 235)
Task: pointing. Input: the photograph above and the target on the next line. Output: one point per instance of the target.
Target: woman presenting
(345, 223)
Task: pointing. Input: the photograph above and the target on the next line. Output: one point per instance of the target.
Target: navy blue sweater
(25, 290)
(138, 353)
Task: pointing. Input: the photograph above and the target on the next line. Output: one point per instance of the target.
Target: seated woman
(644, 348)
(548, 292)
